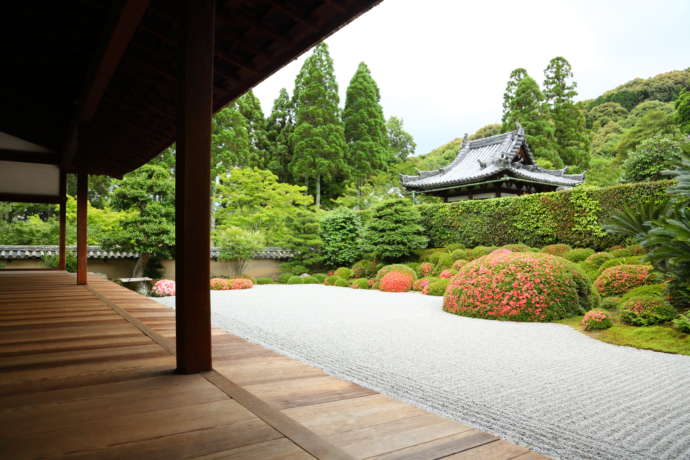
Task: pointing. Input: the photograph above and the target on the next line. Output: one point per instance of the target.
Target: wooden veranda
(87, 372)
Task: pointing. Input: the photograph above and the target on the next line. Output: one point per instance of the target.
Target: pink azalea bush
(519, 286)
(425, 269)
(500, 251)
(219, 284)
(396, 281)
(240, 283)
(421, 283)
(458, 264)
(596, 320)
(556, 249)
(164, 288)
(448, 273)
(618, 279)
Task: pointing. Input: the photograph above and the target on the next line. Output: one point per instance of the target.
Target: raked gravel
(544, 386)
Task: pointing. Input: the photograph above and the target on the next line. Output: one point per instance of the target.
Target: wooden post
(193, 185)
(82, 200)
(62, 263)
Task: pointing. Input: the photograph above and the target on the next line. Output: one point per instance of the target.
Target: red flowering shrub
(596, 320)
(621, 278)
(448, 274)
(458, 264)
(425, 269)
(219, 284)
(556, 249)
(240, 283)
(396, 282)
(421, 283)
(395, 268)
(647, 311)
(520, 286)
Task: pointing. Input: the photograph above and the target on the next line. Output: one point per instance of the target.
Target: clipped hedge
(572, 217)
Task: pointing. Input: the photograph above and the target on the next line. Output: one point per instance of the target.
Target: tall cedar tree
(401, 142)
(319, 138)
(572, 141)
(365, 127)
(250, 107)
(526, 106)
(509, 94)
(230, 143)
(280, 125)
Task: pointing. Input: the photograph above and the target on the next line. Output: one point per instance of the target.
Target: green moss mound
(578, 254)
(343, 272)
(264, 281)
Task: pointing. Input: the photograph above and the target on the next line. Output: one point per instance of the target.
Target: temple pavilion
(496, 166)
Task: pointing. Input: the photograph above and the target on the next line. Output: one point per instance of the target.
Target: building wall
(122, 268)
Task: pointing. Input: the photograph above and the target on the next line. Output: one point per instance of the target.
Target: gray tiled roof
(487, 158)
(95, 252)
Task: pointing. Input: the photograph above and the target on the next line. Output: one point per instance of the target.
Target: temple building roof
(506, 154)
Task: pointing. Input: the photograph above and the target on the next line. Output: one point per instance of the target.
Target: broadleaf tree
(401, 142)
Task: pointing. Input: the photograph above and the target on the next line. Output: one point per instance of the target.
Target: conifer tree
(250, 107)
(230, 144)
(509, 94)
(570, 135)
(318, 140)
(280, 125)
(365, 127)
(526, 106)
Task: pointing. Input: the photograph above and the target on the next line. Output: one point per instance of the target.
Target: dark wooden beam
(117, 36)
(23, 198)
(193, 182)
(29, 157)
(82, 249)
(62, 263)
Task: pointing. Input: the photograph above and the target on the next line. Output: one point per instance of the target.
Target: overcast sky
(442, 65)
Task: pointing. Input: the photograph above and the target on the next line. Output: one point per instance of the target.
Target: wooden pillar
(62, 264)
(192, 181)
(82, 249)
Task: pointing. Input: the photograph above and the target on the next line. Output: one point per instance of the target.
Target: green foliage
(610, 303)
(401, 143)
(605, 113)
(487, 131)
(341, 232)
(364, 269)
(318, 138)
(682, 323)
(368, 150)
(439, 157)
(279, 127)
(310, 280)
(394, 230)
(647, 311)
(598, 258)
(52, 261)
(578, 255)
(230, 143)
(627, 260)
(663, 87)
(650, 290)
(297, 268)
(343, 272)
(320, 277)
(294, 279)
(537, 219)
(250, 108)
(360, 283)
(264, 281)
(652, 123)
(284, 277)
(571, 141)
(341, 282)
(682, 114)
(437, 286)
(556, 249)
(651, 158)
(237, 245)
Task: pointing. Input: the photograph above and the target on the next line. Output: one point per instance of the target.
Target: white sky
(442, 65)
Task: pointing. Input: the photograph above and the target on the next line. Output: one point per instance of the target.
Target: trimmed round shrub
(425, 269)
(556, 249)
(294, 279)
(517, 247)
(636, 250)
(519, 286)
(360, 283)
(310, 280)
(460, 254)
(219, 284)
(264, 281)
(394, 230)
(458, 264)
(622, 252)
(500, 251)
(421, 283)
(598, 258)
(341, 282)
(632, 260)
(655, 290)
(448, 274)
(578, 254)
(163, 288)
(240, 283)
(298, 269)
(364, 268)
(596, 320)
(433, 256)
(284, 277)
(320, 277)
(444, 261)
(480, 251)
(395, 268)
(329, 280)
(396, 281)
(682, 323)
(610, 303)
(621, 278)
(436, 287)
(246, 277)
(343, 272)
(455, 246)
(647, 311)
